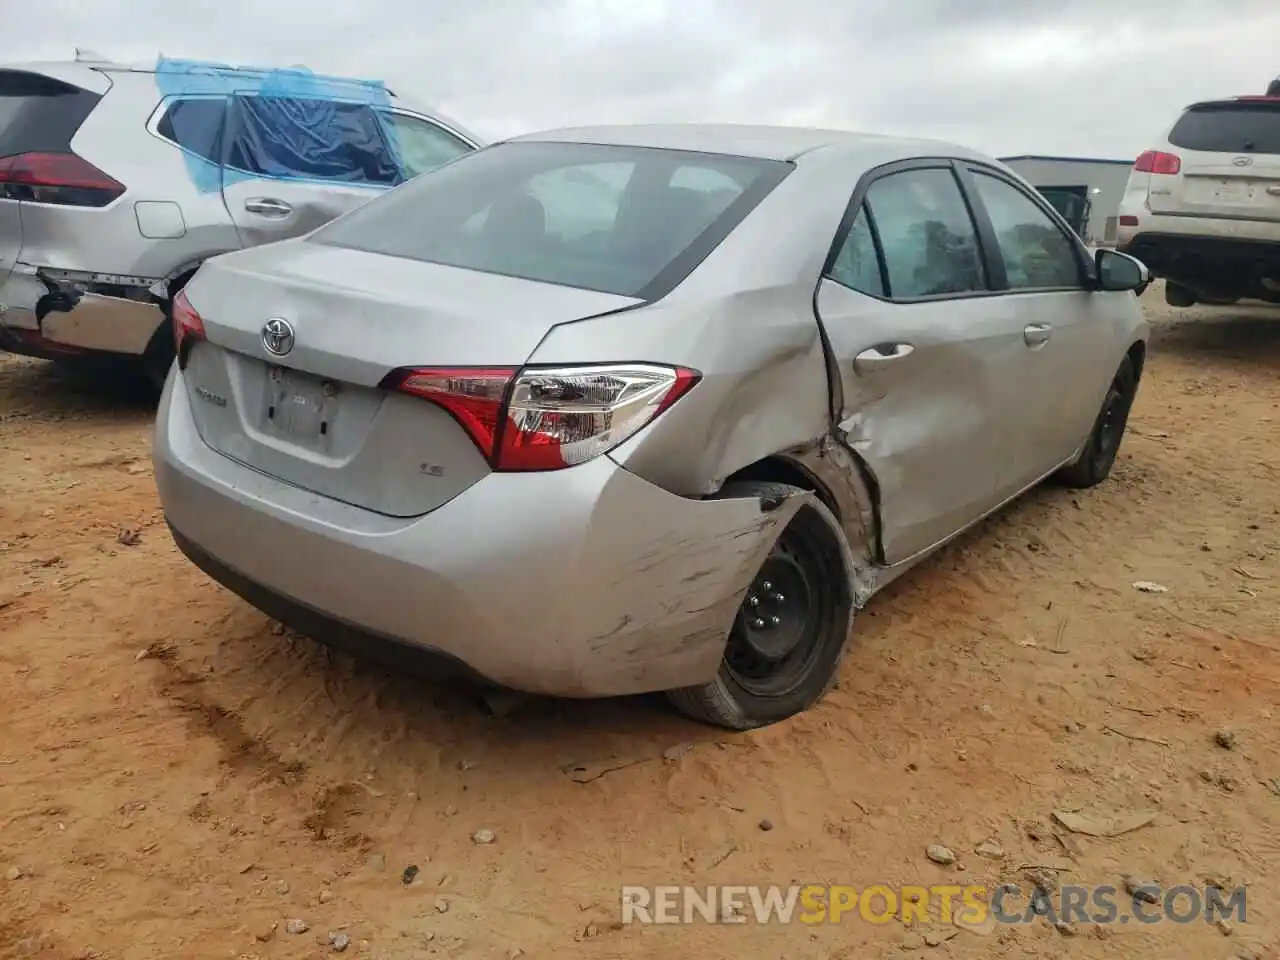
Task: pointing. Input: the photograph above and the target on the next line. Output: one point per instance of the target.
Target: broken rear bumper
(583, 582)
(94, 322)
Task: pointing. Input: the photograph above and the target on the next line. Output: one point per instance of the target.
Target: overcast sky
(1076, 77)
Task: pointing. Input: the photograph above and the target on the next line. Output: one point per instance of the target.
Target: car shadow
(1241, 335)
(47, 389)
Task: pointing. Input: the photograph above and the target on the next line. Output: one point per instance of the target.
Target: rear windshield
(39, 114)
(1229, 128)
(625, 220)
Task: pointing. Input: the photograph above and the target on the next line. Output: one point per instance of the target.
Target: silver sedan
(606, 411)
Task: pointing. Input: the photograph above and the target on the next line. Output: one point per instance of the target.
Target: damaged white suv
(117, 182)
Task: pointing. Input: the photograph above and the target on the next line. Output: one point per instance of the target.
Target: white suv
(117, 182)
(1202, 209)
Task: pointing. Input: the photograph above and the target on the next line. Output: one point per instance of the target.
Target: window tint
(422, 145)
(582, 215)
(195, 125)
(39, 114)
(926, 234)
(295, 138)
(1229, 128)
(856, 264)
(1035, 251)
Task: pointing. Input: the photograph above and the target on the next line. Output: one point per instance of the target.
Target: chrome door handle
(882, 354)
(1036, 334)
(268, 207)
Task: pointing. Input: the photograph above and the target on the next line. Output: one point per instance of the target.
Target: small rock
(1102, 931)
(277, 629)
(1043, 879)
(1207, 776)
(1225, 927)
(262, 936)
(1146, 586)
(941, 855)
(450, 810)
(990, 850)
(409, 875)
(766, 825)
(378, 862)
(1225, 739)
(128, 538)
(987, 710)
(912, 941)
(1072, 727)
(1142, 890)
(1064, 928)
(465, 765)
(325, 895)
(484, 836)
(282, 887)
(935, 938)
(296, 927)
(442, 905)
(13, 873)
(339, 942)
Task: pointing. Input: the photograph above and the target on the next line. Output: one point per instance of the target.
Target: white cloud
(1086, 77)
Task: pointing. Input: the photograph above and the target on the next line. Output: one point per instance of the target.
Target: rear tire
(1176, 295)
(1099, 455)
(784, 649)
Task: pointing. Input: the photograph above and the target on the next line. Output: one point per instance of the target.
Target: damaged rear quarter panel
(662, 620)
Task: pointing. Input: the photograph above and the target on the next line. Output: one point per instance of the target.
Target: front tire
(784, 649)
(1099, 455)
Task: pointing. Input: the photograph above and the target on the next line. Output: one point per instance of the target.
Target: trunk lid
(1230, 154)
(316, 417)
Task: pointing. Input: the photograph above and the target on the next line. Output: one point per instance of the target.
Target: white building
(1103, 181)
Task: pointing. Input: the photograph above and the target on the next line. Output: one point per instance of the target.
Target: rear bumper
(584, 582)
(1210, 256)
(96, 324)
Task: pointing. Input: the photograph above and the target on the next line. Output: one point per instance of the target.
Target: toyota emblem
(1243, 161)
(277, 336)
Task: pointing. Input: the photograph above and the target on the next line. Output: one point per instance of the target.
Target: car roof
(745, 140)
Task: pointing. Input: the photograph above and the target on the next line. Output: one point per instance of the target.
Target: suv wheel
(1176, 295)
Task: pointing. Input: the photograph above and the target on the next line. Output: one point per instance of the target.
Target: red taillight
(1155, 161)
(187, 325)
(61, 178)
(1128, 220)
(548, 418)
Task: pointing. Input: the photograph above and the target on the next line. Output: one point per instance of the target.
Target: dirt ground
(179, 778)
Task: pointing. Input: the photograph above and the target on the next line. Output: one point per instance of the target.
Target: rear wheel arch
(862, 499)
(1137, 355)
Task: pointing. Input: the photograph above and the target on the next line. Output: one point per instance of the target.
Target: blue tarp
(283, 123)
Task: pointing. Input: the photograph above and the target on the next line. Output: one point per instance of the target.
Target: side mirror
(1119, 271)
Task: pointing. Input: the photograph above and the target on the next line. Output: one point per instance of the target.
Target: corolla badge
(1243, 161)
(277, 336)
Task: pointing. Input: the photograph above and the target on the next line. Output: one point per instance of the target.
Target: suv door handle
(881, 355)
(1036, 334)
(268, 206)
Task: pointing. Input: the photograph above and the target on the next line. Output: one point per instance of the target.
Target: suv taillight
(548, 418)
(60, 178)
(1155, 161)
(187, 326)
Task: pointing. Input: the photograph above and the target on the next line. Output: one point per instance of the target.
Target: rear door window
(195, 124)
(303, 139)
(422, 145)
(1229, 128)
(857, 265)
(928, 238)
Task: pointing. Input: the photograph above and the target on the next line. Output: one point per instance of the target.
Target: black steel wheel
(1099, 455)
(783, 651)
